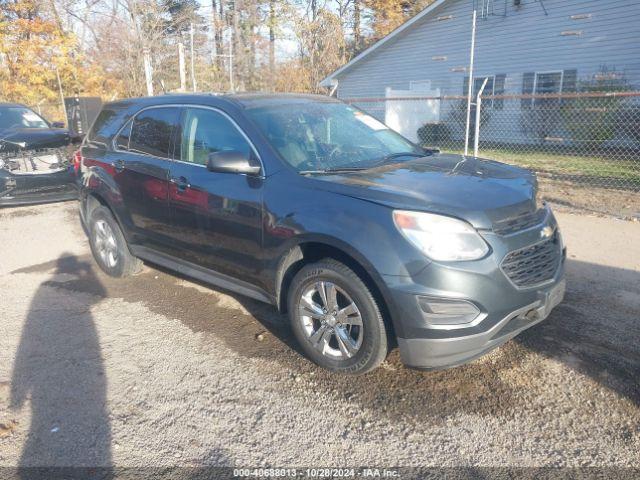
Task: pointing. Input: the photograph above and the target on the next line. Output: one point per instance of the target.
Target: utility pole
(193, 71)
(356, 27)
(272, 43)
(231, 86)
(64, 107)
(229, 57)
(214, 31)
(183, 73)
(148, 71)
(470, 89)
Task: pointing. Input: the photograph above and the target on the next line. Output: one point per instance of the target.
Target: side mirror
(232, 162)
(57, 124)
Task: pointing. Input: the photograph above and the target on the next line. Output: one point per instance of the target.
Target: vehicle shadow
(58, 372)
(596, 330)
(593, 332)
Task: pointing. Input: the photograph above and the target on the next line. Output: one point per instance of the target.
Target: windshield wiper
(332, 170)
(382, 161)
(391, 156)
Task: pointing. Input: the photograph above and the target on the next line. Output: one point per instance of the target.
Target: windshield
(20, 117)
(329, 136)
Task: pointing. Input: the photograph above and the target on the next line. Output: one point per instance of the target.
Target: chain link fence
(587, 139)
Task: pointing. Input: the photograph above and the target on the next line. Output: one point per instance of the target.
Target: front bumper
(29, 189)
(505, 307)
(439, 353)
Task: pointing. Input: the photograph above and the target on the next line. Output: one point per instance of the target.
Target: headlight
(440, 238)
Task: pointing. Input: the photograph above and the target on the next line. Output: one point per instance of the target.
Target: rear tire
(336, 319)
(109, 247)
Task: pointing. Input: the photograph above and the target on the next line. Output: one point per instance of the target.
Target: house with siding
(527, 50)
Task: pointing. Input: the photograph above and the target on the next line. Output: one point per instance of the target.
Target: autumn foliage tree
(387, 15)
(99, 47)
(35, 50)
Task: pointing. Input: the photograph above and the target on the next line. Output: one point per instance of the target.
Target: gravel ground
(157, 370)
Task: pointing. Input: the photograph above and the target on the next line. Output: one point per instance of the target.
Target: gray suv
(364, 239)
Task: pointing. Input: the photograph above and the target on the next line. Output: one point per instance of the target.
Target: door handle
(118, 165)
(181, 183)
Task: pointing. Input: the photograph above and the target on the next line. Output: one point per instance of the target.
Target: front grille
(534, 264)
(519, 223)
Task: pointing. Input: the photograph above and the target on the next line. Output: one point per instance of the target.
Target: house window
(541, 83)
(547, 83)
(477, 84)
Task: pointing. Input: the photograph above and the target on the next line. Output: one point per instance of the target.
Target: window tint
(122, 140)
(104, 127)
(325, 135)
(20, 117)
(205, 132)
(152, 130)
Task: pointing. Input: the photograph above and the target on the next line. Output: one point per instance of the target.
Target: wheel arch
(95, 199)
(310, 251)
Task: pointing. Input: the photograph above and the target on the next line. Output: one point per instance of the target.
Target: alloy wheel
(331, 320)
(105, 242)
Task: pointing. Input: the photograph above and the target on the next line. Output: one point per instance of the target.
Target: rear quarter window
(107, 123)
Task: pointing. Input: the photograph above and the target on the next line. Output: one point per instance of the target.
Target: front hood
(12, 139)
(479, 191)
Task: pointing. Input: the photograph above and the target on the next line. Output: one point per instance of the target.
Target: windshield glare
(327, 136)
(20, 117)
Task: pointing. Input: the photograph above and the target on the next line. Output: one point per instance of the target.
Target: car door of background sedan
(217, 217)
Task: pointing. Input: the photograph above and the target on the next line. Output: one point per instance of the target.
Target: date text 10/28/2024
(315, 473)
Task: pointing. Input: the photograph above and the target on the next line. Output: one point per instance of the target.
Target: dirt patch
(596, 200)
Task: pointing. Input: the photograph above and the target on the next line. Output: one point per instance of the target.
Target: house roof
(329, 81)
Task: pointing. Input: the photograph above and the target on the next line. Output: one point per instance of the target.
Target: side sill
(203, 274)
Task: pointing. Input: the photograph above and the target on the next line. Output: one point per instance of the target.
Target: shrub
(433, 134)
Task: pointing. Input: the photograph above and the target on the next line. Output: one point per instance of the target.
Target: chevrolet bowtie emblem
(546, 232)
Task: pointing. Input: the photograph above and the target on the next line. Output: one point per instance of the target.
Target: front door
(217, 217)
(141, 164)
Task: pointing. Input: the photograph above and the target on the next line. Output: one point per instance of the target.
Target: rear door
(141, 164)
(217, 217)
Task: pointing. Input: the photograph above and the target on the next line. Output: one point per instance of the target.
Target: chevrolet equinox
(364, 239)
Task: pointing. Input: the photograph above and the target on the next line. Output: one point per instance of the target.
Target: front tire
(109, 247)
(336, 319)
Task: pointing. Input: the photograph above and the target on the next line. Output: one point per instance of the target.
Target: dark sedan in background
(35, 158)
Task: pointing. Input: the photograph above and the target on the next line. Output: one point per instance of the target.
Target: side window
(152, 131)
(103, 127)
(122, 140)
(206, 131)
